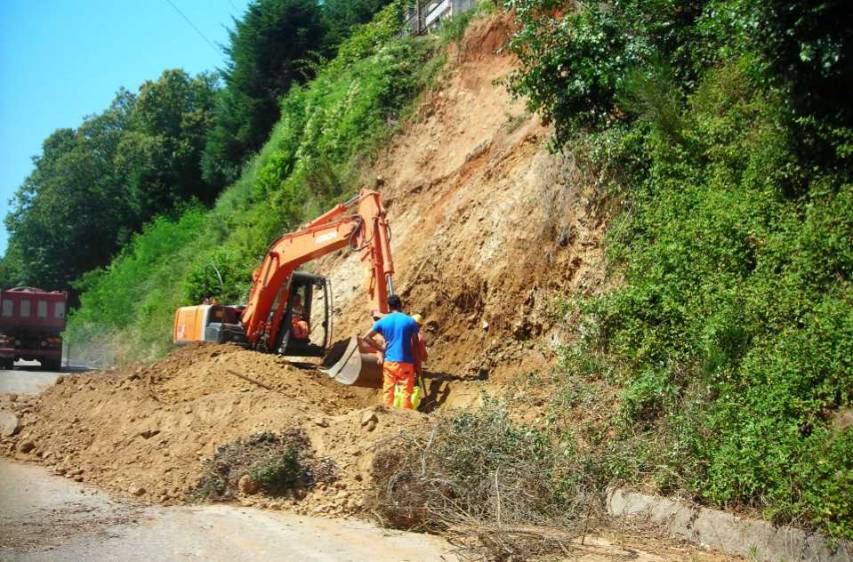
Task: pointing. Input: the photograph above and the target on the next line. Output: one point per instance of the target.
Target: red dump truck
(31, 321)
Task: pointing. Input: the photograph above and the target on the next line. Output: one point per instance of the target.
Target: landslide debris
(156, 432)
(491, 229)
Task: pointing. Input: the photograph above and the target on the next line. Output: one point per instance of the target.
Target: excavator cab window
(306, 328)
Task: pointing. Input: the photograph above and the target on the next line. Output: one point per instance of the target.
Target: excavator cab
(306, 328)
(306, 331)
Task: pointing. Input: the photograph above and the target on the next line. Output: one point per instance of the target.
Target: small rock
(247, 485)
(136, 490)
(371, 425)
(26, 447)
(9, 424)
(13, 397)
(149, 433)
(368, 416)
(322, 422)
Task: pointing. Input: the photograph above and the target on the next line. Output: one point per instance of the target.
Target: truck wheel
(7, 364)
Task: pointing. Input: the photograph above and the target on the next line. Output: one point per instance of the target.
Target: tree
(93, 187)
(159, 154)
(69, 214)
(270, 49)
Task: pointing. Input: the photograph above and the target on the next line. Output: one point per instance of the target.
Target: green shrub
(718, 126)
(733, 330)
(278, 463)
(279, 474)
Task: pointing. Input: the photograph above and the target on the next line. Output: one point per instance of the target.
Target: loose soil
(489, 227)
(146, 432)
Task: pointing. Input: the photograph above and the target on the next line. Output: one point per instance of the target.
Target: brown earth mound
(147, 431)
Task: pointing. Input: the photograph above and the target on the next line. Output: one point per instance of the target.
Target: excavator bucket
(353, 363)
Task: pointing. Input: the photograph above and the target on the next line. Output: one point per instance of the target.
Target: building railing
(436, 12)
(425, 15)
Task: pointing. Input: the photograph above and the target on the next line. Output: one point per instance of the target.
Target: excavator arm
(359, 223)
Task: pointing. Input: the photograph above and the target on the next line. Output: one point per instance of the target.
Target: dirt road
(44, 517)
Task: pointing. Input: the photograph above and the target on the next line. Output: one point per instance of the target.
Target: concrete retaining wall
(754, 539)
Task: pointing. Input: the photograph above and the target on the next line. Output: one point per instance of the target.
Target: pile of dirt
(147, 432)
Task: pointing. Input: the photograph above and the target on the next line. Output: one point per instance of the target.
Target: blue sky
(61, 60)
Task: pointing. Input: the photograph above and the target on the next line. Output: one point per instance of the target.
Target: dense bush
(713, 123)
(737, 292)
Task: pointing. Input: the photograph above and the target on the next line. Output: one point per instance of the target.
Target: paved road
(28, 378)
(47, 518)
(24, 381)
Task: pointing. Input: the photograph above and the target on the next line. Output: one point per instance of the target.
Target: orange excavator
(283, 302)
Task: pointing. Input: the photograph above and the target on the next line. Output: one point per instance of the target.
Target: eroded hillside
(489, 226)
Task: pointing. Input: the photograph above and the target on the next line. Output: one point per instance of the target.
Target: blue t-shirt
(397, 329)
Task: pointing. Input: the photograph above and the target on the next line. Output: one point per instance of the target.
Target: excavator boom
(366, 230)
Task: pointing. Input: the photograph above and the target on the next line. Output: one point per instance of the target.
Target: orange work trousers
(394, 373)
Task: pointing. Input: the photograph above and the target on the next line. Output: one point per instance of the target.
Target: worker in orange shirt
(299, 327)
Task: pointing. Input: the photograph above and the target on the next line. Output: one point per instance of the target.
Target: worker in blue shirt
(399, 331)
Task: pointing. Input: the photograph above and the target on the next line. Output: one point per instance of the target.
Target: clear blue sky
(61, 60)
